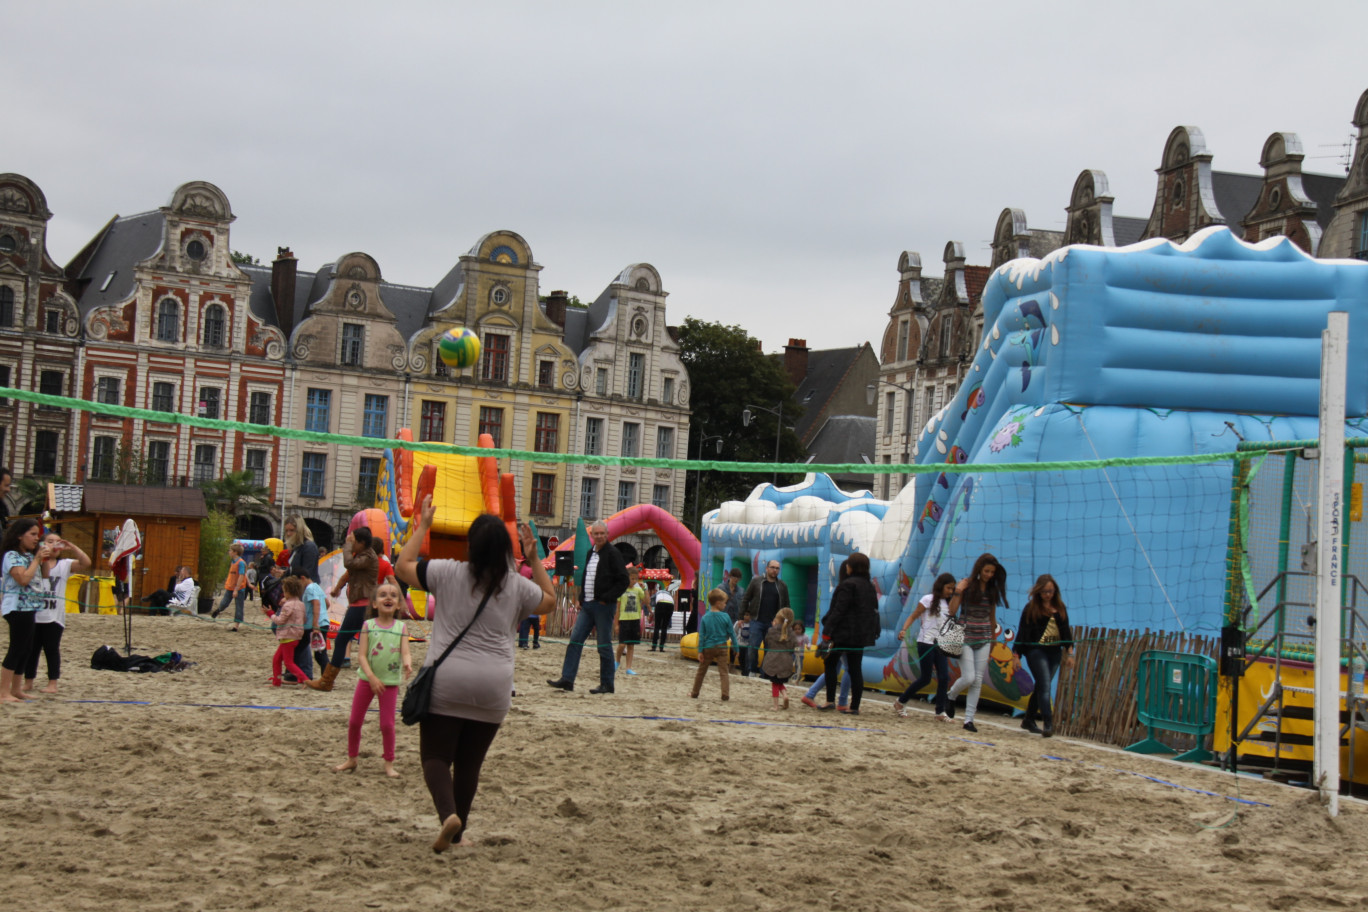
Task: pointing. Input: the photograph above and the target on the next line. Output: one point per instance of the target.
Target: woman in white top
(933, 609)
(50, 620)
(471, 689)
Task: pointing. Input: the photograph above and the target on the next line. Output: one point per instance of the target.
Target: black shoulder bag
(418, 697)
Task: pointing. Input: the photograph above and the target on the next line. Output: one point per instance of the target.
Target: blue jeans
(756, 640)
(597, 616)
(237, 606)
(819, 686)
(303, 656)
(1043, 661)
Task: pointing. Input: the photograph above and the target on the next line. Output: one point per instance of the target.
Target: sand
(216, 793)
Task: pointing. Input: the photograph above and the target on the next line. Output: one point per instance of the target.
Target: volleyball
(459, 348)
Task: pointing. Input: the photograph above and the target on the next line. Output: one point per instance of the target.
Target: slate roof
(408, 303)
(825, 371)
(844, 438)
(1235, 195)
(1126, 230)
(1322, 188)
(125, 242)
(145, 500)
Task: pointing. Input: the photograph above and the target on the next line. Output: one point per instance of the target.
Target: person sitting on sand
(179, 597)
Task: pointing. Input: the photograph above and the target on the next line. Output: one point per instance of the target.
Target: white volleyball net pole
(1329, 572)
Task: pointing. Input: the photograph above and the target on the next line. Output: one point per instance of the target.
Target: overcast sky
(771, 160)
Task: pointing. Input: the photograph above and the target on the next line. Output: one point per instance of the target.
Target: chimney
(556, 302)
(283, 272)
(795, 360)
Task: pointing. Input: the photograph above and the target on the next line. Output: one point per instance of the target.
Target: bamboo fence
(1096, 700)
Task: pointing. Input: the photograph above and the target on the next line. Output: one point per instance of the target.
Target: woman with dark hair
(978, 595)
(479, 600)
(50, 620)
(21, 597)
(1044, 638)
(851, 624)
(360, 580)
(933, 609)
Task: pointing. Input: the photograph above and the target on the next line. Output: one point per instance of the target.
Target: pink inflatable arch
(677, 539)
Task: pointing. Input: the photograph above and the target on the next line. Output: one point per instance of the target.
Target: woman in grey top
(473, 687)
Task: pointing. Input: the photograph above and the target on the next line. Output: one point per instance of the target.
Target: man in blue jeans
(602, 580)
(764, 597)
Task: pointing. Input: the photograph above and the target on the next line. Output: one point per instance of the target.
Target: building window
(909, 416)
(107, 390)
(930, 398)
(209, 402)
(313, 474)
(206, 456)
(601, 381)
(6, 306)
(631, 438)
(636, 369)
(946, 326)
(546, 374)
(494, 358)
(353, 343)
(367, 480)
(1360, 253)
(102, 459)
(626, 494)
(593, 437)
(254, 461)
(589, 495)
(491, 423)
(4, 381)
(158, 461)
(888, 413)
(548, 428)
(543, 493)
(660, 496)
(215, 326)
(163, 396)
(259, 408)
(667, 390)
(168, 320)
(902, 340)
(317, 405)
(664, 443)
(432, 425)
(374, 417)
(45, 453)
(949, 392)
(52, 321)
(50, 384)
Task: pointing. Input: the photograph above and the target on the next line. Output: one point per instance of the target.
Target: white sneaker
(899, 710)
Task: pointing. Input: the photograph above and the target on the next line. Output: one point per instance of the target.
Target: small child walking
(289, 624)
(385, 663)
(714, 638)
(800, 642)
(777, 665)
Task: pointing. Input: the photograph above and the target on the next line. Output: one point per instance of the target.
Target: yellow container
(104, 595)
(419, 599)
(73, 592)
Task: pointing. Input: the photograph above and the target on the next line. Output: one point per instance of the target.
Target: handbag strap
(460, 636)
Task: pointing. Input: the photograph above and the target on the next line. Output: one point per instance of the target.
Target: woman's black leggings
(21, 624)
(932, 660)
(47, 639)
(352, 622)
(854, 657)
(452, 751)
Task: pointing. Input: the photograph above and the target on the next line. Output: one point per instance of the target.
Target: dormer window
(7, 243)
(196, 250)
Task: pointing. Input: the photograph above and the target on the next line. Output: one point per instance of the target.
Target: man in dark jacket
(764, 597)
(602, 580)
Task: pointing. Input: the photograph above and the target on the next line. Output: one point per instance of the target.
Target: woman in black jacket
(851, 624)
(1044, 639)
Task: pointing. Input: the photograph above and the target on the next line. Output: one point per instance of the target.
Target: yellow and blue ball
(459, 348)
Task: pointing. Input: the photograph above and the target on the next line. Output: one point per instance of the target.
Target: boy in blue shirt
(715, 637)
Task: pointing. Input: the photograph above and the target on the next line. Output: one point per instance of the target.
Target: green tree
(236, 492)
(216, 534)
(30, 493)
(727, 373)
(244, 259)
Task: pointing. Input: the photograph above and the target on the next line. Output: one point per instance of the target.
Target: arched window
(168, 320)
(215, 324)
(6, 306)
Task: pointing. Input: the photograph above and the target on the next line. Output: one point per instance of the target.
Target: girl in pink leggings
(385, 663)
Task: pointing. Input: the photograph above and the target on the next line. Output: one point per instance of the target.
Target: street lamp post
(698, 484)
(747, 418)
